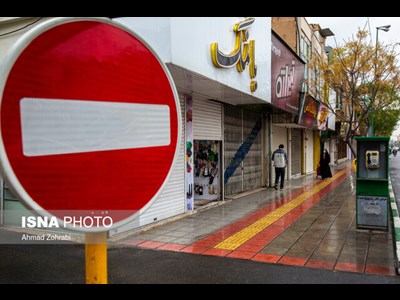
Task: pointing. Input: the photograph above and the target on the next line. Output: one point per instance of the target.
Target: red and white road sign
(89, 119)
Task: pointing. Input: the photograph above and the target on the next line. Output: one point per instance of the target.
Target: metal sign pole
(96, 257)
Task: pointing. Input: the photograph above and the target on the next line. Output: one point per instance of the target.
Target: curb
(396, 224)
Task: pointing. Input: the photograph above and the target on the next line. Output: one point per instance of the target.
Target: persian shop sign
(322, 118)
(287, 72)
(242, 55)
(309, 112)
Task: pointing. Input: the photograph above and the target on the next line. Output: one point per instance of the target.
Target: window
(338, 100)
(305, 55)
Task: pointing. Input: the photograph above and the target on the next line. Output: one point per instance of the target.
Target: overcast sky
(345, 27)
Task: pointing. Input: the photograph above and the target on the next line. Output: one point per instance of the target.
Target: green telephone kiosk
(372, 188)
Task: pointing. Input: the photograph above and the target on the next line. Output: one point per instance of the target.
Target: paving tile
(171, 247)
(150, 244)
(147, 236)
(293, 230)
(380, 270)
(282, 243)
(294, 261)
(241, 254)
(298, 254)
(348, 267)
(360, 259)
(337, 231)
(330, 236)
(381, 244)
(383, 253)
(293, 236)
(359, 242)
(332, 242)
(320, 264)
(265, 234)
(319, 227)
(164, 239)
(313, 234)
(268, 258)
(353, 251)
(357, 234)
(377, 235)
(308, 240)
(132, 242)
(380, 261)
(212, 238)
(251, 248)
(206, 243)
(161, 231)
(303, 247)
(219, 235)
(339, 227)
(217, 252)
(176, 233)
(274, 250)
(257, 242)
(325, 256)
(194, 249)
(176, 225)
(185, 240)
(329, 248)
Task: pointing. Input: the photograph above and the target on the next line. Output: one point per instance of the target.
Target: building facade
(317, 127)
(243, 84)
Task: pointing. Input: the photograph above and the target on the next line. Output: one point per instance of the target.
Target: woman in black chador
(324, 165)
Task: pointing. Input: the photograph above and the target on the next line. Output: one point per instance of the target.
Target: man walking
(280, 160)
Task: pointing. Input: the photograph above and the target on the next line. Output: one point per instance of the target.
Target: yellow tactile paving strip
(239, 238)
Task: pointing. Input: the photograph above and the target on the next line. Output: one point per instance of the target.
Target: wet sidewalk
(311, 223)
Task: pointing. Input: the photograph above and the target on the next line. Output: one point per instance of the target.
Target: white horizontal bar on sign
(58, 126)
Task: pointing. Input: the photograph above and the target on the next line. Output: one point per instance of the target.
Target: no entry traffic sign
(90, 120)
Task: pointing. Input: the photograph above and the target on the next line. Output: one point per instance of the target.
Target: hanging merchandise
(206, 170)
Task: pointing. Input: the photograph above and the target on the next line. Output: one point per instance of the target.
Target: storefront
(287, 74)
(243, 149)
(223, 148)
(207, 152)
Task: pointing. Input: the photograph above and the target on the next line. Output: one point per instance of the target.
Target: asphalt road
(394, 163)
(64, 264)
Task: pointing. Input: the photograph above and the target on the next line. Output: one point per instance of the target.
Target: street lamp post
(386, 29)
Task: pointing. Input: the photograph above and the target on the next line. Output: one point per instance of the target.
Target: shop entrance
(207, 185)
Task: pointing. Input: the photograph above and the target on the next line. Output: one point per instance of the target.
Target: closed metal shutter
(171, 201)
(12, 209)
(207, 120)
(239, 125)
(252, 164)
(279, 136)
(296, 158)
(232, 140)
(309, 149)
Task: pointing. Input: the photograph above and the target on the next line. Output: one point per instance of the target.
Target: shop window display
(207, 170)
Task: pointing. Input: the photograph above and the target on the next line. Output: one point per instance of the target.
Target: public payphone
(372, 189)
(372, 159)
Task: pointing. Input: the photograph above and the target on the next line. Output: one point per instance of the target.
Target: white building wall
(187, 44)
(155, 31)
